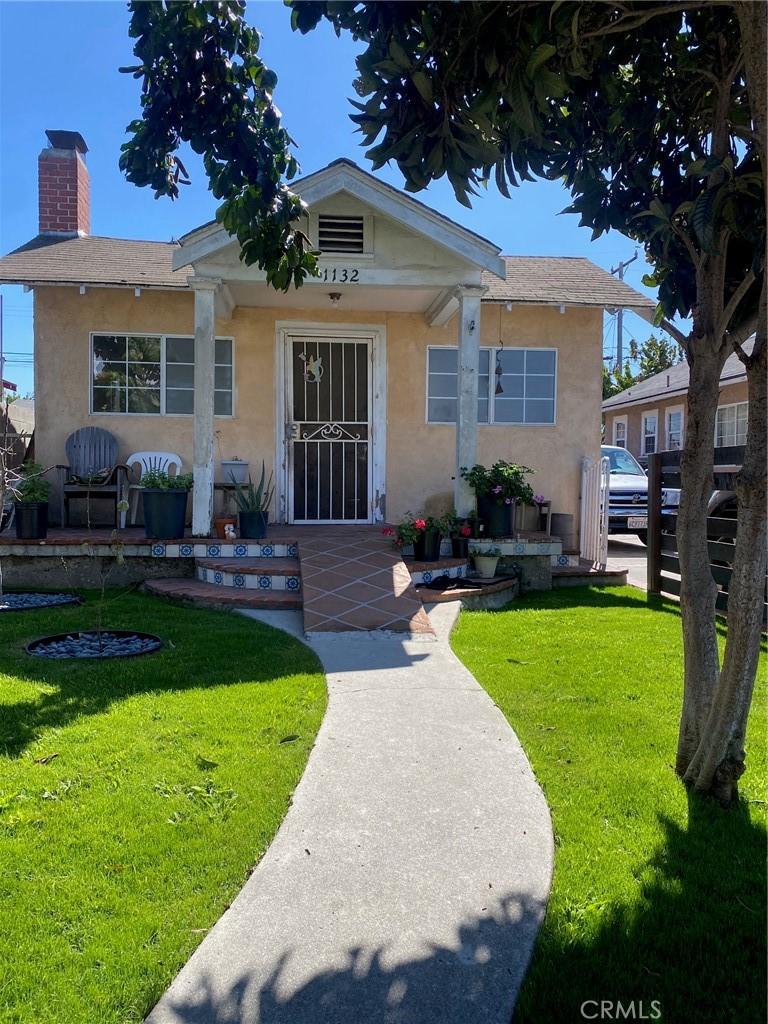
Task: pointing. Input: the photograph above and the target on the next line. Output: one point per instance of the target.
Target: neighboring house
(17, 425)
(650, 416)
(357, 389)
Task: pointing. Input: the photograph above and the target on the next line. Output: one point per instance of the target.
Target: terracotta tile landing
(353, 579)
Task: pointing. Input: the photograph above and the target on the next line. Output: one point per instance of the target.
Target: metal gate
(595, 488)
(328, 432)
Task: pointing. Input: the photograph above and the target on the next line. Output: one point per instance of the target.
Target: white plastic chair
(162, 462)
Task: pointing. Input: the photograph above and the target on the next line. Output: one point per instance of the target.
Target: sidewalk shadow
(474, 981)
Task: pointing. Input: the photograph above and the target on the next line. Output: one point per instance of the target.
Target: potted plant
(30, 494)
(459, 530)
(498, 490)
(486, 561)
(253, 505)
(164, 499)
(423, 532)
(234, 469)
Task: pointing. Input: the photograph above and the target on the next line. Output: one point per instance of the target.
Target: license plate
(637, 522)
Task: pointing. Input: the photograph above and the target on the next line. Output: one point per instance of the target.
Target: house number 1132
(340, 275)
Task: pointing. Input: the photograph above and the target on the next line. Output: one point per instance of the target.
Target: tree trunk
(719, 760)
(697, 588)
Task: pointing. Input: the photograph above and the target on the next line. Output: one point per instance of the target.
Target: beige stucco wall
(729, 394)
(420, 457)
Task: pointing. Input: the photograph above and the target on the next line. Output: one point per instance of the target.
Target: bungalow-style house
(419, 349)
(650, 416)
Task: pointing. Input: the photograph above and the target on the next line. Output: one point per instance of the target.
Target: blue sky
(73, 83)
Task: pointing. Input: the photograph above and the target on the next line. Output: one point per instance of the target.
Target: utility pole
(622, 266)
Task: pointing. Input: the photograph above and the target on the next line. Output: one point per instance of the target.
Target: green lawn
(653, 898)
(172, 773)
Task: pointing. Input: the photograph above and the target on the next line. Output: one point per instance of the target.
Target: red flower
(420, 524)
(388, 531)
(466, 531)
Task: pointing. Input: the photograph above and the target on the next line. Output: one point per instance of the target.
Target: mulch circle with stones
(27, 602)
(113, 643)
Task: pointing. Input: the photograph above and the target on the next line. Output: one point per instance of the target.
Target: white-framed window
(523, 394)
(153, 375)
(731, 424)
(620, 432)
(650, 433)
(674, 427)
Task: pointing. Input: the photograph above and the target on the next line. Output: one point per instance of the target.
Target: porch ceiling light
(335, 298)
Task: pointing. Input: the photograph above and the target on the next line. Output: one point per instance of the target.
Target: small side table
(545, 515)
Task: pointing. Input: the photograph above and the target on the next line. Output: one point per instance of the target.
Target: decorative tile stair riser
(224, 549)
(248, 581)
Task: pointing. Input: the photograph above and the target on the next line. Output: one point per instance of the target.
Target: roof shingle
(556, 280)
(95, 260)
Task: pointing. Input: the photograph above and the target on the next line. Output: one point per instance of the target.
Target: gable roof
(95, 260)
(562, 280)
(673, 382)
(344, 175)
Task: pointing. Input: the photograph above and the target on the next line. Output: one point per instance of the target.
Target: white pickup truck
(628, 494)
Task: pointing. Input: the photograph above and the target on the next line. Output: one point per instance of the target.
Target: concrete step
(250, 573)
(212, 595)
(583, 577)
(493, 593)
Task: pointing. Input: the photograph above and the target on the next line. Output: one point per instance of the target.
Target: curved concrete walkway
(408, 880)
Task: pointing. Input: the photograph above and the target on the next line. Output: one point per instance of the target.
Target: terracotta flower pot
(220, 523)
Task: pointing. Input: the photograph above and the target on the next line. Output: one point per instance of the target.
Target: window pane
(442, 410)
(508, 410)
(513, 360)
(512, 387)
(222, 403)
(179, 401)
(539, 387)
(485, 357)
(442, 385)
(144, 375)
(146, 350)
(108, 374)
(443, 360)
(650, 424)
(482, 410)
(223, 378)
(108, 346)
(223, 351)
(539, 410)
(109, 400)
(539, 362)
(144, 400)
(180, 350)
(179, 375)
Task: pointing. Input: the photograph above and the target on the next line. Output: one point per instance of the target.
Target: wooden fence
(663, 558)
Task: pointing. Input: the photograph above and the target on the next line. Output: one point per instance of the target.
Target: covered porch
(333, 376)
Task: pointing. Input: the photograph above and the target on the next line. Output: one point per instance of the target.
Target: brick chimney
(65, 202)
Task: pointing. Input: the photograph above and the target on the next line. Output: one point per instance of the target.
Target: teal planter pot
(427, 547)
(253, 525)
(498, 520)
(164, 513)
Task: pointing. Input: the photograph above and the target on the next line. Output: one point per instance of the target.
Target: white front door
(328, 435)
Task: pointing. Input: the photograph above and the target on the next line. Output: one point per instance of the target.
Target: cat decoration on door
(313, 368)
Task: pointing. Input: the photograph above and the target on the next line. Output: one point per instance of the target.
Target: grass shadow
(203, 649)
(690, 946)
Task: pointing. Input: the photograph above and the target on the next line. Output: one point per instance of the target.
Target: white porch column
(202, 444)
(466, 416)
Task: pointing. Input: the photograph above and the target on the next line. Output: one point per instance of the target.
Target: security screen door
(329, 430)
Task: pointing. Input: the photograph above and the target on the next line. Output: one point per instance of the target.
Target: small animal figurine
(313, 368)
(229, 532)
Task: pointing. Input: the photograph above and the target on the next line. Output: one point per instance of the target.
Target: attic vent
(341, 234)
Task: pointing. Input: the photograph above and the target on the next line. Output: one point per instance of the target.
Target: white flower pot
(234, 468)
(486, 565)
